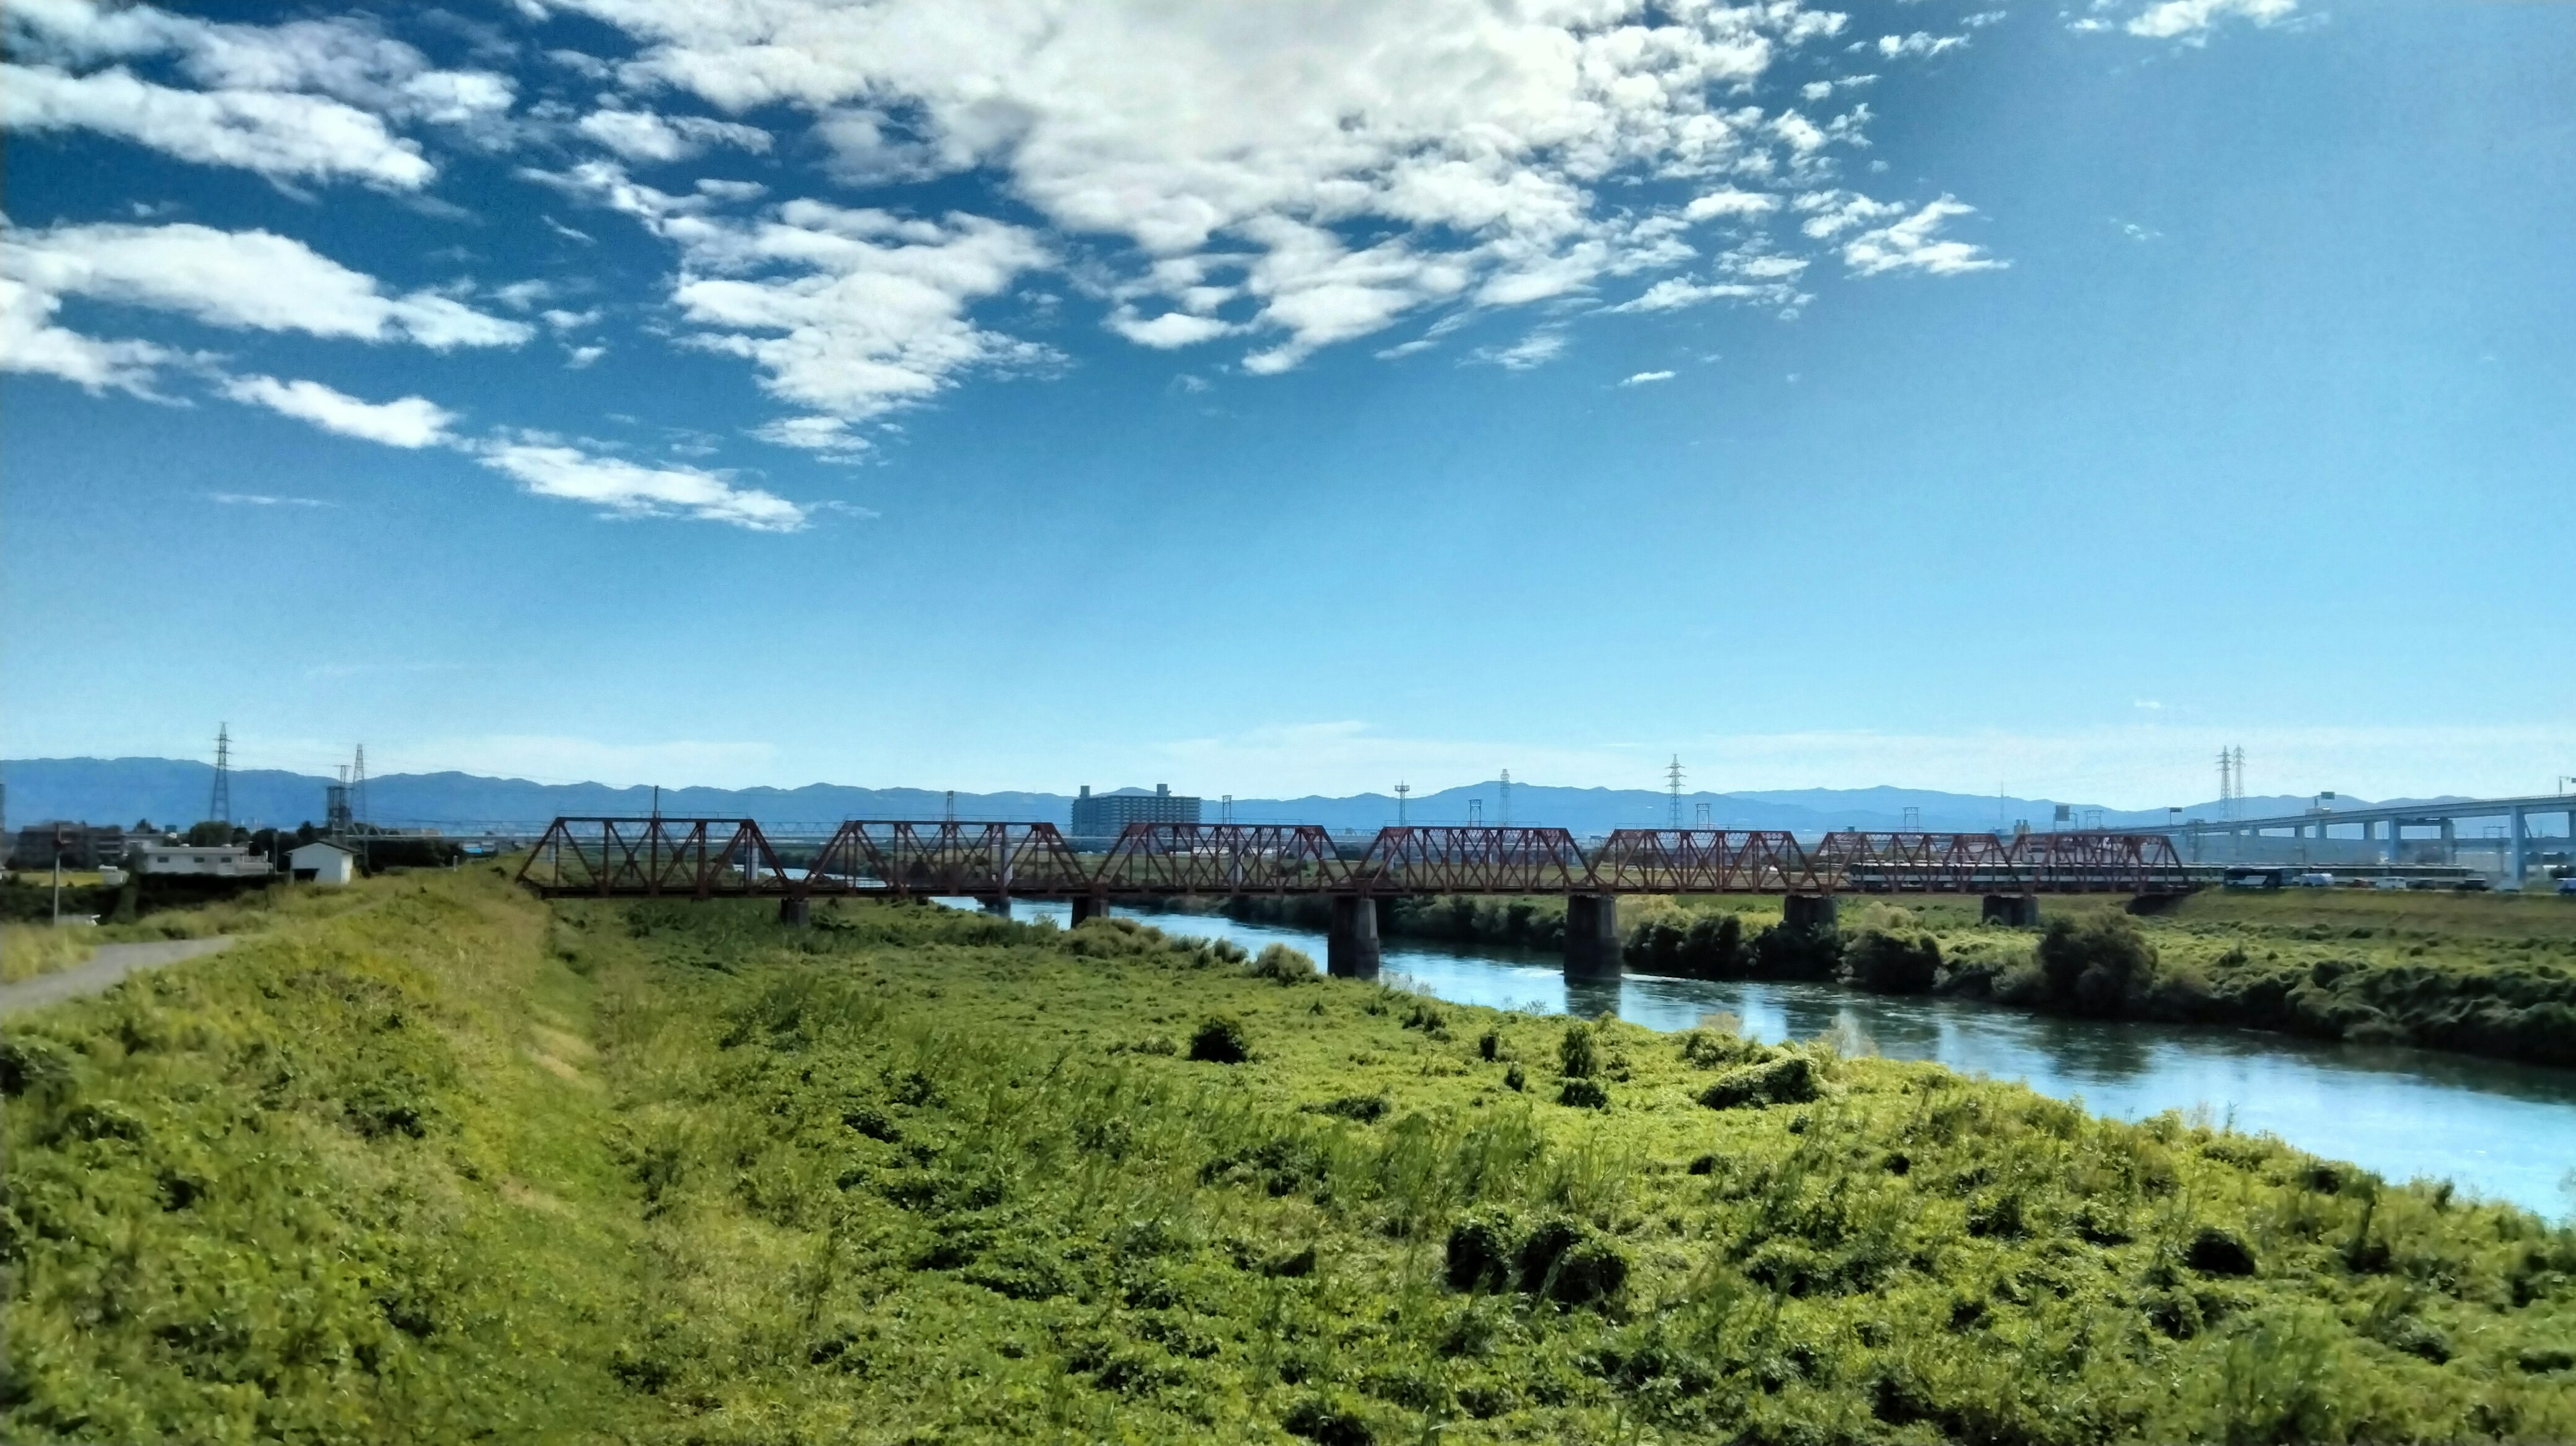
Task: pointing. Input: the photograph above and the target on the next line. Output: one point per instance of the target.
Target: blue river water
(2498, 1130)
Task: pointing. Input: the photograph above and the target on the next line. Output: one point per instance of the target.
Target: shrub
(1584, 1094)
(1579, 1053)
(1885, 962)
(1367, 1109)
(1283, 965)
(1489, 1045)
(2097, 965)
(1326, 1424)
(1780, 952)
(1564, 1262)
(1714, 946)
(1790, 1079)
(1479, 1254)
(1513, 1079)
(1219, 1040)
(2214, 1251)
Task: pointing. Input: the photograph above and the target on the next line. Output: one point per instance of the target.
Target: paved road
(111, 963)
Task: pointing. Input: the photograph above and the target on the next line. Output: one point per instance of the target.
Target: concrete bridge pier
(996, 904)
(2013, 911)
(1812, 912)
(1089, 906)
(1350, 946)
(1591, 936)
(796, 911)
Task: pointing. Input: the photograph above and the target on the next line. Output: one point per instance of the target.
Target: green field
(436, 1162)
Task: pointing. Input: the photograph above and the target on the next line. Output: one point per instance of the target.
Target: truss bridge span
(710, 858)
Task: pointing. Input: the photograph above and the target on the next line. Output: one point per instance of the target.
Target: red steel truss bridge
(865, 858)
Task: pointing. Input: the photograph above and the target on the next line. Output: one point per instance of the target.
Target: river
(2496, 1129)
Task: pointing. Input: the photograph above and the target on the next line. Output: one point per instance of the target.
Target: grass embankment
(2483, 974)
(442, 1166)
(31, 949)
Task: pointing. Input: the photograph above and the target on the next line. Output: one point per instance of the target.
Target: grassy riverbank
(445, 1164)
(2483, 974)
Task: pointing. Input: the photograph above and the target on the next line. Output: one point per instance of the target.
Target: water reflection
(2501, 1130)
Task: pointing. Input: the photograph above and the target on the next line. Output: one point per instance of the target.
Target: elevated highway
(707, 858)
(2388, 825)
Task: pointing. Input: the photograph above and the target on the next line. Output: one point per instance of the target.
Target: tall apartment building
(1098, 818)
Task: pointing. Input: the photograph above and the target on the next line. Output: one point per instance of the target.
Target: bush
(2099, 965)
(1479, 1255)
(1489, 1045)
(1219, 1040)
(2218, 1252)
(1283, 965)
(1790, 1079)
(1891, 963)
(1564, 1262)
(1579, 1053)
(1583, 1094)
(1780, 952)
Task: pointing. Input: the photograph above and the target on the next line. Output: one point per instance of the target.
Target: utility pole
(1673, 776)
(1403, 791)
(60, 838)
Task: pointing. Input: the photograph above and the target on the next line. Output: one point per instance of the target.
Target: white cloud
(30, 342)
(631, 489)
(1337, 168)
(409, 422)
(1728, 201)
(305, 99)
(582, 356)
(1171, 329)
(279, 136)
(261, 499)
(1536, 349)
(1642, 378)
(2191, 21)
(250, 279)
(640, 135)
(1919, 44)
(1911, 245)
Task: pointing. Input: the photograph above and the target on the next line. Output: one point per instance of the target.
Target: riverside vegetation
(2483, 974)
(439, 1162)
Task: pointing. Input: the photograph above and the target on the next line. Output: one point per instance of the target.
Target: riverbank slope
(450, 1163)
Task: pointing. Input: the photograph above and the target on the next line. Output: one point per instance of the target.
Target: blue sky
(1288, 398)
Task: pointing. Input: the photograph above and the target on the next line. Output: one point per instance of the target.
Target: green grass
(444, 1165)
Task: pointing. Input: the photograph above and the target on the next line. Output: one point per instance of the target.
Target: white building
(214, 861)
(322, 862)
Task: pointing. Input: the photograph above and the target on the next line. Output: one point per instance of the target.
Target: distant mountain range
(178, 791)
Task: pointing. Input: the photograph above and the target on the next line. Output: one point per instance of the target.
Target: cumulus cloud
(1642, 378)
(1910, 244)
(1333, 172)
(1728, 201)
(640, 135)
(279, 136)
(1920, 44)
(255, 280)
(633, 489)
(2191, 21)
(410, 422)
(308, 99)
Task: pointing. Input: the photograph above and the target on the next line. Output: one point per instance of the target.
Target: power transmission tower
(1914, 820)
(1507, 798)
(1702, 820)
(1673, 776)
(1225, 809)
(220, 807)
(1402, 792)
(358, 786)
(1475, 813)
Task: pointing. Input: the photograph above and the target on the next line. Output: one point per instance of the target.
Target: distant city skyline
(1291, 398)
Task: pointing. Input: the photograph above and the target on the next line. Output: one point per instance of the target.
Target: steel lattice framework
(1222, 858)
(689, 857)
(933, 860)
(1472, 860)
(709, 857)
(1955, 863)
(1701, 861)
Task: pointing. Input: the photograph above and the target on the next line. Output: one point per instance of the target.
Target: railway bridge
(709, 858)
